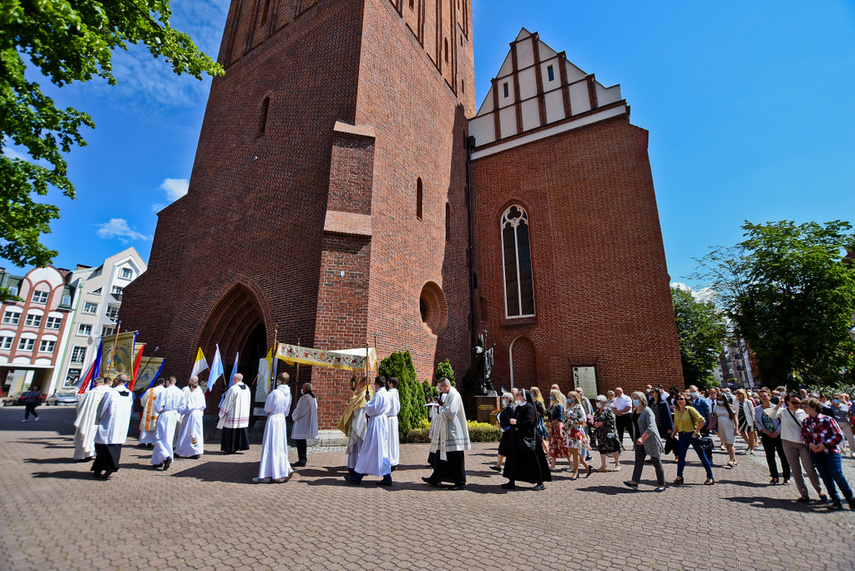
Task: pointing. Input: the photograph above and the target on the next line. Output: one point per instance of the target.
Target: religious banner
(118, 354)
(347, 359)
(149, 370)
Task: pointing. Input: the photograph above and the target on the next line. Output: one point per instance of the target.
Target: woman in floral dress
(604, 424)
(558, 448)
(577, 440)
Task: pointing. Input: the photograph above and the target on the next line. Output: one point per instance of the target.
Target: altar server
(148, 421)
(451, 439)
(394, 438)
(274, 448)
(305, 418)
(374, 456)
(191, 441)
(85, 425)
(113, 418)
(234, 416)
(167, 404)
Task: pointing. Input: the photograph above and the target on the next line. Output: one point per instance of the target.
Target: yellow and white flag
(200, 364)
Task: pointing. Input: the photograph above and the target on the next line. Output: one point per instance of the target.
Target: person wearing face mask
(607, 443)
(647, 442)
(726, 423)
(305, 417)
(503, 419)
(791, 415)
(839, 411)
(770, 435)
(526, 460)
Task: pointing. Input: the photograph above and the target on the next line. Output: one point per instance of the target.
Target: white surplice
(114, 416)
(305, 418)
(191, 439)
(452, 433)
(374, 456)
(394, 438)
(85, 423)
(148, 421)
(234, 410)
(167, 404)
(274, 447)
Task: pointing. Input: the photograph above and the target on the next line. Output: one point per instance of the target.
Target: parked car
(62, 399)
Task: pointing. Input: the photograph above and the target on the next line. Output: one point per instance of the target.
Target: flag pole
(297, 377)
(271, 384)
(115, 342)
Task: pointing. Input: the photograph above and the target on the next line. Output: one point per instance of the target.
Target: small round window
(433, 308)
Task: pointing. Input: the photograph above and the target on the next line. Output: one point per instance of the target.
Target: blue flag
(216, 369)
(234, 368)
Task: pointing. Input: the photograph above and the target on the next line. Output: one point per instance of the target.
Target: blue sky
(749, 107)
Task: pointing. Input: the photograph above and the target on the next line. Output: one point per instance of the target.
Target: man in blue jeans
(823, 436)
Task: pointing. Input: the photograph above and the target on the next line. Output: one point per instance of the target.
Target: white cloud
(703, 294)
(174, 188)
(119, 228)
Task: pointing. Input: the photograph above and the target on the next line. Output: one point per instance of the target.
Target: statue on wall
(482, 365)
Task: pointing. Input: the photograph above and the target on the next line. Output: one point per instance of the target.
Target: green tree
(410, 392)
(444, 369)
(701, 329)
(66, 41)
(791, 297)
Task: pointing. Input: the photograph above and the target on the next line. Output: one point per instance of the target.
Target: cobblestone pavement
(206, 514)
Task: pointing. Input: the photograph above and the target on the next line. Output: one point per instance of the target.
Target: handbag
(706, 443)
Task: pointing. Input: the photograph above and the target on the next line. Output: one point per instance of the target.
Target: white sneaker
(25, 420)
(37, 419)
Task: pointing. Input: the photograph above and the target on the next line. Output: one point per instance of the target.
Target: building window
(117, 290)
(505, 88)
(447, 222)
(84, 329)
(446, 50)
(47, 346)
(516, 255)
(419, 198)
(78, 354)
(12, 317)
(13, 291)
(66, 300)
(265, 11)
(53, 322)
(412, 4)
(113, 312)
(107, 330)
(5, 342)
(262, 120)
(550, 73)
(90, 308)
(33, 320)
(26, 344)
(127, 273)
(40, 297)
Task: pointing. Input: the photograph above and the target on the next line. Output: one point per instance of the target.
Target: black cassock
(526, 460)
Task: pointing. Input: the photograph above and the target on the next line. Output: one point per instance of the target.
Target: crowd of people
(808, 434)
(800, 432)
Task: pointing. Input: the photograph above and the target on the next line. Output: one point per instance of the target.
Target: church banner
(149, 370)
(347, 359)
(118, 354)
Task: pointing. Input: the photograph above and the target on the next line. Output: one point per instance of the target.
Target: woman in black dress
(503, 419)
(526, 460)
(604, 425)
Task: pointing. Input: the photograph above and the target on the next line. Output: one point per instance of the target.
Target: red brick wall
(601, 284)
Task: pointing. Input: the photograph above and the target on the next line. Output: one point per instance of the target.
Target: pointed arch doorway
(237, 324)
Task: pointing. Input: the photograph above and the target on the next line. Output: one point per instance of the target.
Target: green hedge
(478, 432)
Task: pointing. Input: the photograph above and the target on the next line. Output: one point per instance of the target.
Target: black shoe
(803, 499)
(96, 474)
(508, 486)
(458, 487)
(106, 474)
(539, 487)
(589, 471)
(177, 455)
(156, 466)
(631, 484)
(496, 468)
(835, 505)
(353, 480)
(166, 464)
(195, 457)
(429, 482)
(299, 463)
(385, 482)
(823, 499)
(851, 502)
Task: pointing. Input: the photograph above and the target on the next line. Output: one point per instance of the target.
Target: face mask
(836, 401)
(721, 401)
(694, 395)
(636, 402)
(504, 402)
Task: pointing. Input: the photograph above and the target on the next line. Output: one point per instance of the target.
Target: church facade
(346, 190)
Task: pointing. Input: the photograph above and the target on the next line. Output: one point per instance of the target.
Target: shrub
(400, 365)
(444, 369)
(483, 431)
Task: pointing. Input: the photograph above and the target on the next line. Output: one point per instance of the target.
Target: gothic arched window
(516, 256)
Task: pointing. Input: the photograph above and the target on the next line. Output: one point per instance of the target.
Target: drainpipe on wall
(470, 143)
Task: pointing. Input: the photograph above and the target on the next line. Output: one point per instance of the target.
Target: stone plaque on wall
(586, 377)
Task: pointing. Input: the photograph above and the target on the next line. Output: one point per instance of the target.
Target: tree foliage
(791, 297)
(66, 41)
(701, 330)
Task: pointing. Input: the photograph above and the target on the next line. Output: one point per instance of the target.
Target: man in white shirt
(305, 418)
(623, 412)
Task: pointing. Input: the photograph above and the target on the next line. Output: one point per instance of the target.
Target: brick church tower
(328, 195)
